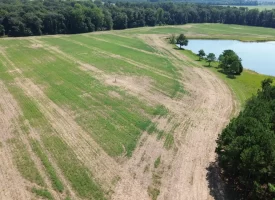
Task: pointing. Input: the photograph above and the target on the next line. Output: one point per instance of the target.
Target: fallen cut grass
(161, 110)
(44, 193)
(24, 162)
(169, 141)
(157, 162)
(153, 192)
(76, 173)
(152, 128)
(56, 182)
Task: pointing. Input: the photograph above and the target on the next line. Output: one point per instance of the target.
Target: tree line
(246, 147)
(42, 17)
(214, 2)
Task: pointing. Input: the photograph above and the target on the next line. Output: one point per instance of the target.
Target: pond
(256, 56)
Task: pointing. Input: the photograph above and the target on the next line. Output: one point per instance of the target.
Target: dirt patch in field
(142, 87)
(115, 94)
(133, 83)
(36, 46)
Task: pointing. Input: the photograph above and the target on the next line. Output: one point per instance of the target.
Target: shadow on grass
(231, 76)
(208, 66)
(219, 190)
(177, 48)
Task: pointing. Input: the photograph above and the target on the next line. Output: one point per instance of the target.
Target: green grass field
(106, 86)
(116, 122)
(211, 31)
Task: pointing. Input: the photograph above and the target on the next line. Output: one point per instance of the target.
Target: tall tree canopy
(210, 58)
(36, 17)
(182, 40)
(201, 54)
(230, 62)
(246, 147)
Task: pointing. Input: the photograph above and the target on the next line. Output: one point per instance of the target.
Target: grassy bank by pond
(243, 86)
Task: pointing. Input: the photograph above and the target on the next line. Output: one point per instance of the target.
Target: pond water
(257, 56)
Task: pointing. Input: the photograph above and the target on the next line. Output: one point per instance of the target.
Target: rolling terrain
(111, 115)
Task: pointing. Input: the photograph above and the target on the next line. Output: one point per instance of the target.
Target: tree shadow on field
(231, 76)
(177, 48)
(219, 189)
(207, 66)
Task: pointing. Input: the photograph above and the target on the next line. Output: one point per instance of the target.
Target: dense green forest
(37, 17)
(246, 147)
(212, 2)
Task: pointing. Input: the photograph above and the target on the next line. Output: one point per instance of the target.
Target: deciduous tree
(201, 54)
(210, 58)
(230, 63)
(182, 40)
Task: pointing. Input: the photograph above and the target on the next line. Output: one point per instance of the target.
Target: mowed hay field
(110, 115)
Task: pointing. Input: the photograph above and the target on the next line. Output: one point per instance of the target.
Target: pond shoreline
(229, 38)
(256, 56)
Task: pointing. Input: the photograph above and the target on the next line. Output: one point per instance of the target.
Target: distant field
(82, 113)
(260, 7)
(215, 31)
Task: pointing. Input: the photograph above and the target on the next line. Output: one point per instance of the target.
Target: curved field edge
(244, 86)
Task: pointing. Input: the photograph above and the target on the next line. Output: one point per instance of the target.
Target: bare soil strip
(103, 167)
(32, 134)
(88, 151)
(12, 185)
(201, 116)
